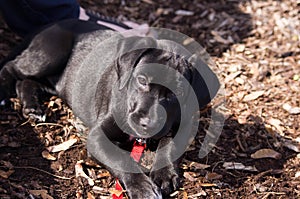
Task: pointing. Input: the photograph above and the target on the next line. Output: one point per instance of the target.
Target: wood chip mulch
(255, 45)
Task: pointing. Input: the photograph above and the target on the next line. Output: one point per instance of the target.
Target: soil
(255, 46)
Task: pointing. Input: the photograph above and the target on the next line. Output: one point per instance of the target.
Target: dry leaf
(6, 174)
(90, 196)
(43, 193)
(297, 175)
(219, 38)
(48, 156)
(208, 185)
(98, 190)
(189, 177)
(266, 153)
(116, 192)
(240, 48)
(238, 166)
(197, 165)
(290, 109)
(174, 194)
(198, 195)
(80, 173)
(184, 195)
(253, 95)
(188, 41)
(276, 123)
(232, 76)
(7, 164)
(296, 77)
(103, 175)
(239, 80)
(63, 146)
(213, 176)
(184, 12)
(149, 2)
(294, 147)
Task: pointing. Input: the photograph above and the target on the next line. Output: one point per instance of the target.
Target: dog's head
(151, 83)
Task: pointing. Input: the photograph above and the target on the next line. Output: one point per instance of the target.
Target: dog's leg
(30, 93)
(7, 84)
(166, 178)
(137, 184)
(46, 55)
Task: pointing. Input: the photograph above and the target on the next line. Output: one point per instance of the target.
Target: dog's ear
(204, 81)
(131, 49)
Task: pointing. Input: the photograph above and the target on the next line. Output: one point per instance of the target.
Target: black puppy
(122, 88)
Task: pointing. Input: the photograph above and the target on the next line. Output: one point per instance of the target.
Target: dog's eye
(142, 80)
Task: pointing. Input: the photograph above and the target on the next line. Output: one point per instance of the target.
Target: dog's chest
(92, 55)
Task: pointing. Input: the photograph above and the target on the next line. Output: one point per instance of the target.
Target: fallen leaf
(14, 144)
(266, 153)
(290, 109)
(174, 194)
(43, 193)
(238, 166)
(90, 196)
(253, 95)
(6, 174)
(189, 177)
(292, 146)
(148, 1)
(213, 176)
(208, 184)
(239, 80)
(63, 146)
(48, 156)
(188, 41)
(103, 175)
(197, 195)
(232, 76)
(80, 173)
(116, 192)
(197, 165)
(218, 37)
(7, 164)
(98, 190)
(184, 12)
(240, 48)
(260, 188)
(296, 77)
(184, 195)
(276, 123)
(297, 175)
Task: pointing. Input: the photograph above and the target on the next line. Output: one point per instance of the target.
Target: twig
(49, 124)
(272, 193)
(56, 176)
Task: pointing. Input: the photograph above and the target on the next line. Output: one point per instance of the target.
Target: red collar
(138, 148)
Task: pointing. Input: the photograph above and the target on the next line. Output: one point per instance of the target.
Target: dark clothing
(26, 16)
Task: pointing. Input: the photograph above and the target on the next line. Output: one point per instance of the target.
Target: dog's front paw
(33, 113)
(141, 187)
(167, 179)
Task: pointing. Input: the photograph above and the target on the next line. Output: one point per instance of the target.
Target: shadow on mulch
(216, 25)
(24, 171)
(235, 145)
(21, 147)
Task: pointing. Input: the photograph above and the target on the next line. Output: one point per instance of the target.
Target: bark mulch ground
(255, 45)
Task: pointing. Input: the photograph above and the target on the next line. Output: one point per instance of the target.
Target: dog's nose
(144, 122)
